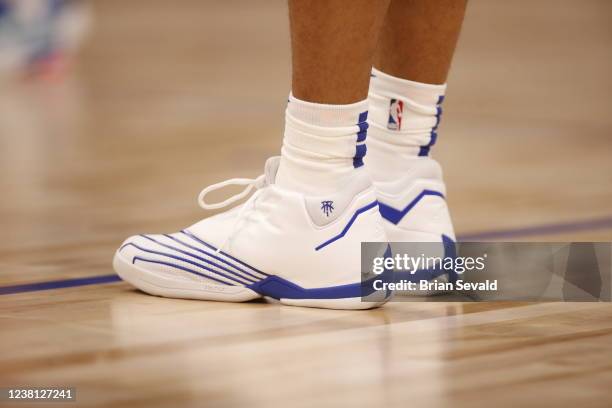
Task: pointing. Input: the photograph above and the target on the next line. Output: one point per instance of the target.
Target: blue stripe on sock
(360, 151)
(363, 131)
(361, 137)
(424, 150)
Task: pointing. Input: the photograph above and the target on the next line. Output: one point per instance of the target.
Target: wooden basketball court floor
(169, 97)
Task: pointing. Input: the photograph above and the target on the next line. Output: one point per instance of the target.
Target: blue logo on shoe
(327, 207)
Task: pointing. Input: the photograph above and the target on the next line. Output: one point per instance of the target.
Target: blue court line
(592, 224)
(59, 284)
(546, 229)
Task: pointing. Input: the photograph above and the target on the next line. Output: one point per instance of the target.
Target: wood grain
(169, 98)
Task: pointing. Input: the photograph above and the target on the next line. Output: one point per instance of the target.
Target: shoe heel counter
(430, 214)
(373, 224)
(339, 251)
(421, 208)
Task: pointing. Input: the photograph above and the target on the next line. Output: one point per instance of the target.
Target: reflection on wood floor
(149, 118)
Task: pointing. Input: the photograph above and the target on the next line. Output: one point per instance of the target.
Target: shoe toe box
(168, 256)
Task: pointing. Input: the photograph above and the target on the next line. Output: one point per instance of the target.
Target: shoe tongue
(271, 168)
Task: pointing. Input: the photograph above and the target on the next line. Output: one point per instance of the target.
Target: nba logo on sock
(396, 108)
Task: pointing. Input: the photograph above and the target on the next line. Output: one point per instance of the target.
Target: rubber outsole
(163, 285)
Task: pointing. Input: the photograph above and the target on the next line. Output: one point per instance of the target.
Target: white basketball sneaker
(279, 244)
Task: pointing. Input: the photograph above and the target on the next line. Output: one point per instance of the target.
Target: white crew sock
(404, 117)
(323, 146)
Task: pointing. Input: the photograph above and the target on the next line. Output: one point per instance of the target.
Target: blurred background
(114, 114)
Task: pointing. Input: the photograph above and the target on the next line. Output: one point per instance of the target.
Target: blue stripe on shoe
(395, 216)
(138, 258)
(242, 281)
(193, 255)
(358, 212)
(215, 257)
(279, 288)
(192, 236)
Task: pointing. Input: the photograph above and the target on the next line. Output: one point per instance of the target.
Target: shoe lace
(250, 184)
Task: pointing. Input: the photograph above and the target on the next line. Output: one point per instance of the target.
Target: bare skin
(333, 44)
(418, 39)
